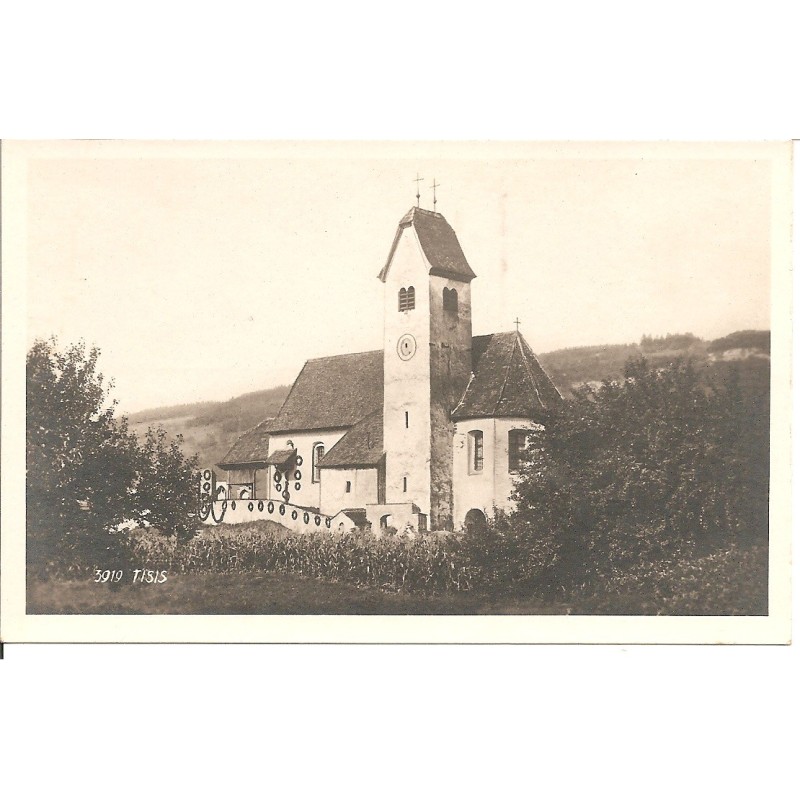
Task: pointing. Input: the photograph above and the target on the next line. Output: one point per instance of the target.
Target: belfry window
(316, 456)
(476, 451)
(517, 447)
(406, 299)
(450, 300)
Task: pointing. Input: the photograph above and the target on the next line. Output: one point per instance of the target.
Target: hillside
(571, 367)
(210, 429)
(187, 410)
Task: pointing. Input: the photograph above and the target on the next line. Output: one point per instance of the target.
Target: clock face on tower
(406, 346)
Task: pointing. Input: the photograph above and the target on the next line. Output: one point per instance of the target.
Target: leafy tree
(656, 466)
(167, 485)
(81, 461)
(86, 472)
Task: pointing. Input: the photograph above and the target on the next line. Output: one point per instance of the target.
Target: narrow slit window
(348, 486)
(517, 447)
(406, 419)
(450, 300)
(476, 451)
(316, 455)
(405, 484)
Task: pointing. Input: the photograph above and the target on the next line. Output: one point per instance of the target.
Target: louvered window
(406, 299)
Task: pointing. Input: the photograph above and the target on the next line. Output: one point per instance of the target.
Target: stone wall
(451, 366)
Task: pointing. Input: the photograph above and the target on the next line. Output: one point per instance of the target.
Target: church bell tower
(427, 361)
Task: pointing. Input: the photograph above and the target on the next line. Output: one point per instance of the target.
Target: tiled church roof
(251, 447)
(333, 392)
(439, 243)
(507, 380)
(361, 446)
(347, 392)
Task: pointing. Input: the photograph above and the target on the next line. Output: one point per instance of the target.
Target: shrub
(656, 466)
(732, 581)
(166, 486)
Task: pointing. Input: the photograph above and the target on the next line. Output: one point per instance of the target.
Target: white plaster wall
(294, 518)
(309, 494)
(407, 383)
(493, 485)
(364, 489)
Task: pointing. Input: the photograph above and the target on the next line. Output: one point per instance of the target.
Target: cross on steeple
(435, 187)
(417, 180)
(517, 323)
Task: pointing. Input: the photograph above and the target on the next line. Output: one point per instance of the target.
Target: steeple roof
(507, 380)
(439, 244)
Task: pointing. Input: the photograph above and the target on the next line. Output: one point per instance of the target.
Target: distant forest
(745, 340)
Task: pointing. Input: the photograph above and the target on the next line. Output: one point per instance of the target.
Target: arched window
(406, 299)
(316, 455)
(517, 447)
(450, 300)
(476, 451)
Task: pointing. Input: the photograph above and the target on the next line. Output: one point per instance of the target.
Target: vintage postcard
(396, 392)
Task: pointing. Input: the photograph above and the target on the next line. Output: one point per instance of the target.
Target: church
(427, 432)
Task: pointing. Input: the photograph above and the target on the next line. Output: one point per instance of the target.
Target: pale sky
(201, 278)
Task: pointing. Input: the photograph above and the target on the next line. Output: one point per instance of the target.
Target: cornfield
(391, 562)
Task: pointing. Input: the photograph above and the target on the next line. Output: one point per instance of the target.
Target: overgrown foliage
(656, 468)
(166, 487)
(87, 474)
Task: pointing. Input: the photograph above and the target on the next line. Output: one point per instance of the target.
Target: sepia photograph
(398, 399)
(407, 392)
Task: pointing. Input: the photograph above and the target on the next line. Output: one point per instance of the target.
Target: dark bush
(652, 468)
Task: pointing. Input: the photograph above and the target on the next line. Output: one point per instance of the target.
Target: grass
(260, 593)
